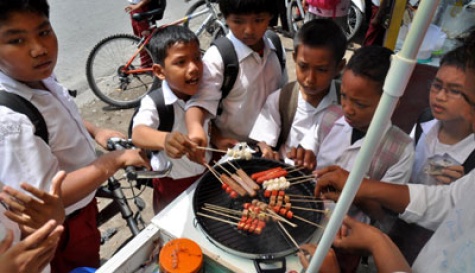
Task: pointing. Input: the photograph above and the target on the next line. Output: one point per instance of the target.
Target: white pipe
(402, 65)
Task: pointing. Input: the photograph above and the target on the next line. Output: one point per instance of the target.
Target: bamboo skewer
(301, 196)
(307, 221)
(288, 235)
(214, 172)
(280, 218)
(310, 201)
(216, 207)
(302, 181)
(301, 177)
(216, 218)
(211, 149)
(222, 213)
(324, 211)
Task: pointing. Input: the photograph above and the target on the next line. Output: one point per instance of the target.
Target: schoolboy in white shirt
(260, 74)
(319, 59)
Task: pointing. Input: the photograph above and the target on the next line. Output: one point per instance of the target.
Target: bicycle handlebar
(131, 172)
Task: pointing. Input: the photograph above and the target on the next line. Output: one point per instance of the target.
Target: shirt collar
(243, 51)
(168, 95)
(15, 87)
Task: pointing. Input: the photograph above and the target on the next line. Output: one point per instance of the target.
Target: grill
(272, 243)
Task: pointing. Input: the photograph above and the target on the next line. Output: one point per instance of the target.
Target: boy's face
(183, 69)
(359, 99)
(28, 47)
(446, 101)
(249, 28)
(315, 68)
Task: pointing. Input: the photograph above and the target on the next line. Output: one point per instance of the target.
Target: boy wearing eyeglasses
(446, 141)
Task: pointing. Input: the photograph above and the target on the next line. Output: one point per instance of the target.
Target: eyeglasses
(470, 102)
(452, 92)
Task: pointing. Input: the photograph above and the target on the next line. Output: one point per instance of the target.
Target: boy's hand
(267, 151)
(329, 265)
(450, 174)
(302, 157)
(133, 157)
(178, 145)
(355, 236)
(31, 213)
(33, 253)
(330, 182)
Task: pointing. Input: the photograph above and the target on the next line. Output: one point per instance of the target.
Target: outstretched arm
(101, 135)
(332, 179)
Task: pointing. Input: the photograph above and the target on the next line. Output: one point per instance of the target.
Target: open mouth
(193, 81)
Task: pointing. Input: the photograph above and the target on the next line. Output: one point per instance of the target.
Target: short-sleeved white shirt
(449, 210)
(426, 147)
(148, 116)
(257, 78)
(26, 157)
(268, 124)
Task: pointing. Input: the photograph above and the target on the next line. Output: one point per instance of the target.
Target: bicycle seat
(155, 14)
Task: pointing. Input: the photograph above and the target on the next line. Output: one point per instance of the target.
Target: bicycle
(296, 17)
(115, 191)
(119, 67)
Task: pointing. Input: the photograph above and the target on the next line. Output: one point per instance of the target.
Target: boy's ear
(158, 71)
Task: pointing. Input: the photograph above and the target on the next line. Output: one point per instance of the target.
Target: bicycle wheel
(205, 25)
(108, 78)
(295, 17)
(355, 20)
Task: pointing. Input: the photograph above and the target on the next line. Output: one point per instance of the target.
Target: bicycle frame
(145, 40)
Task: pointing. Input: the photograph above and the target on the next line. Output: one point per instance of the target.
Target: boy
(361, 89)
(260, 74)
(28, 54)
(180, 68)
(447, 209)
(319, 59)
(449, 136)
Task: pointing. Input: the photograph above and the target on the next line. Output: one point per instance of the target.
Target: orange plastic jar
(181, 256)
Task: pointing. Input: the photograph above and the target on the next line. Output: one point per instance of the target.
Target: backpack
(157, 4)
(231, 62)
(23, 106)
(166, 113)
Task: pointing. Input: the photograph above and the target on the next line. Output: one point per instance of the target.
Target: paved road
(79, 25)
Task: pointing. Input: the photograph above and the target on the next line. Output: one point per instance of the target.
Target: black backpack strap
(469, 163)
(278, 47)
(166, 113)
(23, 106)
(426, 115)
(288, 102)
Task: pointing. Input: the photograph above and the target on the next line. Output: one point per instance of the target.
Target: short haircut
(7, 7)
(371, 62)
(241, 7)
(322, 33)
(456, 57)
(165, 38)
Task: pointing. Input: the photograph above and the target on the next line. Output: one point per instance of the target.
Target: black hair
(371, 62)
(322, 33)
(165, 38)
(228, 7)
(7, 7)
(456, 57)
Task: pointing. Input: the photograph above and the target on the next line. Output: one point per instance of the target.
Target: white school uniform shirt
(428, 145)
(268, 124)
(449, 210)
(26, 157)
(336, 149)
(258, 77)
(148, 116)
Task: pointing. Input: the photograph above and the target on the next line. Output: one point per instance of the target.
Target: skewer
(216, 218)
(324, 211)
(211, 206)
(307, 221)
(280, 218)
(302, 181)
(301, 196)
(222, 213)
(288, 235)
(310, 201)
(294, 170)
(301, 177)
(211, 149)
(214, 172)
